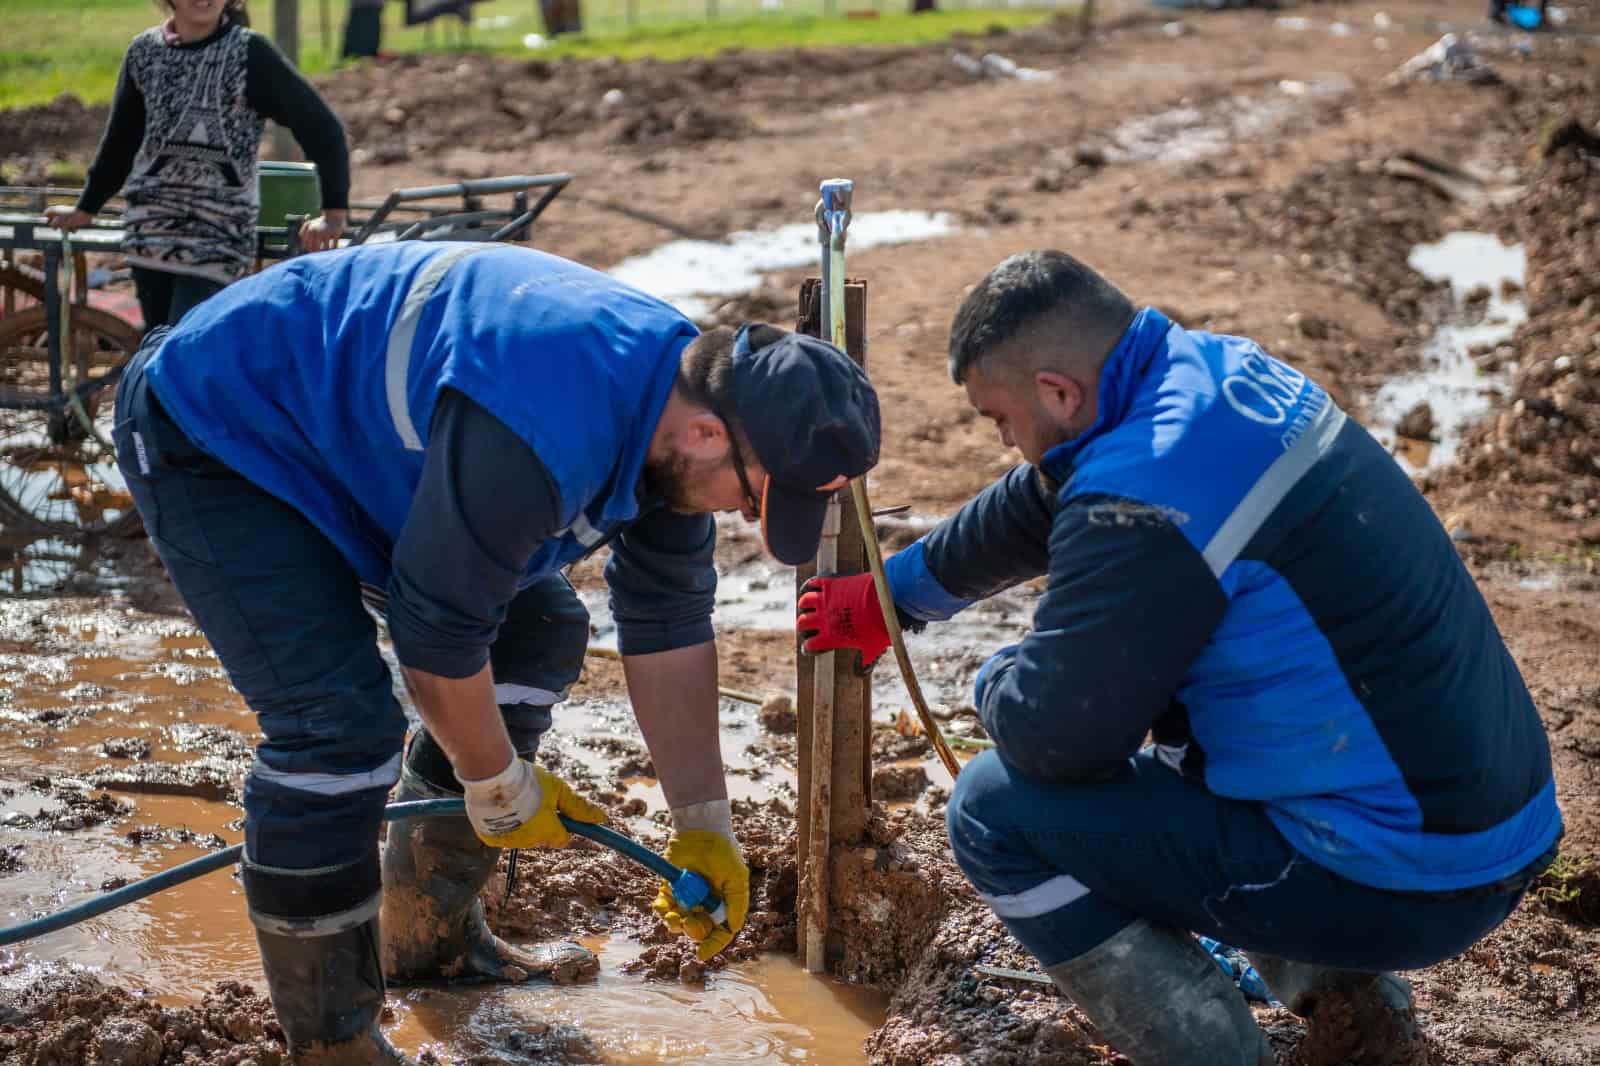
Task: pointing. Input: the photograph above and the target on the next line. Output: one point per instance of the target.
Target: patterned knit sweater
(182, 140)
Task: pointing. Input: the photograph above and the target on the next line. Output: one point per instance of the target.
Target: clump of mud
(67, 1017)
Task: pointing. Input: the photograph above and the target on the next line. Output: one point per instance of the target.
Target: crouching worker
(1348, 776)
(448, 425)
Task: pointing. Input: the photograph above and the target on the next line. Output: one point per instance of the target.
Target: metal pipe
(833, 222)
(688, 887)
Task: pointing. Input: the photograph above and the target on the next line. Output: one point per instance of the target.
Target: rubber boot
(328, 993)
(1374, 1013)
(1158, 997)
(433, 869)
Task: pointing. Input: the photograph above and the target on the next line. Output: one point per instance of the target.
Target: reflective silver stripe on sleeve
(1272, 486)
(538, 697)
(403, 332)
(1040, 899)
(322, 924)
(330, 784)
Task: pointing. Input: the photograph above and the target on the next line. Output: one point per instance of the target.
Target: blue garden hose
(688, 887)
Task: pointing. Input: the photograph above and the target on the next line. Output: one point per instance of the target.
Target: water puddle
(689, 274)
(766, 1011)
(100, 690)
(1196, 131)
(1486, 280)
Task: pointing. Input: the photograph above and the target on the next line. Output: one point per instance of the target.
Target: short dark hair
(705, 372)
(1025, 291)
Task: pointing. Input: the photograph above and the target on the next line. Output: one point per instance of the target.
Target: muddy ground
(1231, 168)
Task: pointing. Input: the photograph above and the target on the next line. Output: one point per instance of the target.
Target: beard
(673, 480)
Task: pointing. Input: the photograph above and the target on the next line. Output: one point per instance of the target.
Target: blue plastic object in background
(1527, 18)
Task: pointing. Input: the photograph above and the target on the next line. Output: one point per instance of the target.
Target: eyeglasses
(738, 468)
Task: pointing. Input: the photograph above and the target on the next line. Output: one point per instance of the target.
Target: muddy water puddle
(689, 274)
(1485, 279)
(1207, 128)
(92, 696)
(766, 1011)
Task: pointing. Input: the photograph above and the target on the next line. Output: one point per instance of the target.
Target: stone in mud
(125, 748)
(1417, 423)
(777, 715)
(127, 1042)
(898, 782)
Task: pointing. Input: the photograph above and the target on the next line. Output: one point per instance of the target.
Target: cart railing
(59, 354)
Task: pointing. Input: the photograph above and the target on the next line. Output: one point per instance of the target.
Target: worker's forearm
(674, 695)
(462, 716)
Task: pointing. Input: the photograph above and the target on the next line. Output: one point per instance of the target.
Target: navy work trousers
(1067, 865)
(283, 610)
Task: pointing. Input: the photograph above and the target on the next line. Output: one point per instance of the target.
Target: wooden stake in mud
(834, 700)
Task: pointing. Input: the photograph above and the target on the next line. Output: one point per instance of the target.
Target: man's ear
(1060, 396)
(705, 436)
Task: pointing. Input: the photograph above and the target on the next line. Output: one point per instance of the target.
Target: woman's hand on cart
(322, 232)
(66, 218)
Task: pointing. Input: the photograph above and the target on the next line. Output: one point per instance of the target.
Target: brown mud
(1231, 168)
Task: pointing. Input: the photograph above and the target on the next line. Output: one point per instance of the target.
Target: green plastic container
(286, 189)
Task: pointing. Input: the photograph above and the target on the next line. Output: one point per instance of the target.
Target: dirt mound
(1544, 442)
(67, 1017)
(64, 127)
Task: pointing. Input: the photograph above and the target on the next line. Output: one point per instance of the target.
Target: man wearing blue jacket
(1348, 776)
(436, 430)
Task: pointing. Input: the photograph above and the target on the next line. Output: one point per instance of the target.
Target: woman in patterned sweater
(181, 142)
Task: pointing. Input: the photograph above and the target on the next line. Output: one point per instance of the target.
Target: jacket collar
(1124, 369)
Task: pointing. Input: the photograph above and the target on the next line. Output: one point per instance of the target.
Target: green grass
(55, 46)
(1571, 888)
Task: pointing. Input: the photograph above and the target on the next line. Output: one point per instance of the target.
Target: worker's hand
(842, 612)
(991, 668)
(66, 218)
(517, 807)
(703, 842)
(322, 232)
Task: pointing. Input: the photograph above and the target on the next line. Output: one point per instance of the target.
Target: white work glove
(517, 807)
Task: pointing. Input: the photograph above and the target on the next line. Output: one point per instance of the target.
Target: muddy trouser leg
(1070, 868)
(281, 608)
(434, 868)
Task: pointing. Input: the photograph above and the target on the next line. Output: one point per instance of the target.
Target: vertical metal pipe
(833, 220)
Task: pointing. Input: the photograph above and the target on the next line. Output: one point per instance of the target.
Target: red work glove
(842, 612)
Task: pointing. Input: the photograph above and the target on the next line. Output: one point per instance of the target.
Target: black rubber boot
(1371, 1015)
(1158, 997)
(433, 869)
(328, 993)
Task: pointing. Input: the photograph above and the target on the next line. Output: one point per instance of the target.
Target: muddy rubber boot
(1370, 1016)
(433, 869)
(328, 994)
(1158, 997)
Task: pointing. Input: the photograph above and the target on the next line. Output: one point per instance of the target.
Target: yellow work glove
(713, 855)
(517, 807)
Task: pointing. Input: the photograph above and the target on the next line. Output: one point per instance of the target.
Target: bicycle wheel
(56, 476)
